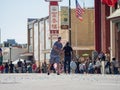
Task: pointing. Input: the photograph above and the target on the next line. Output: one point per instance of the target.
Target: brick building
(82, 32)
(107, 29)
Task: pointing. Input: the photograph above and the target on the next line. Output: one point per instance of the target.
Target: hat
(59, 37)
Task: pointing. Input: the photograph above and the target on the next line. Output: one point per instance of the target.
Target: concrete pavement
(59, 82)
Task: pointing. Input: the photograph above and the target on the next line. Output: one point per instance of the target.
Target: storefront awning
(26, 54)
(46, 51)
(83, 48)
(115, 14)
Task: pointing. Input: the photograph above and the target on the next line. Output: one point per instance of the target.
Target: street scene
(60, 44)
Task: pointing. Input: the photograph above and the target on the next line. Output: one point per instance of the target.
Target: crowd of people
(20, 67)
(99, 63)
(97, 66)
(78, 66)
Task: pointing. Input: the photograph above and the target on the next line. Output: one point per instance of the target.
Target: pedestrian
(6, 67)
(29, 68)
(2, 68)
(90, 67)
(107, 67)
(19, 64)
(11, 65)
(68, 52)
(44, 67)
(94, 55)
(24, 66)
(101, 56)
(55, 55)
(98, 66)
(115, 66)
(34, 67)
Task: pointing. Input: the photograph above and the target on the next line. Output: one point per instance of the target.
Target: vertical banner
(54, 18)
(64, 17)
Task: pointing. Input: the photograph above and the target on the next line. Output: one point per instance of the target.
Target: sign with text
(54, 20)
(64, 17)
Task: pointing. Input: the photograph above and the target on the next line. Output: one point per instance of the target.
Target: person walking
(34, 67)
(115, 66)
(44, 67)
(6, 67)
(11, 65)
(55, 55)
(68, 52)
(24, 66)
(19, 65)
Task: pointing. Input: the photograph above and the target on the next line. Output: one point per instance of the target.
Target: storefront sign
(54, 22)
(64, 17)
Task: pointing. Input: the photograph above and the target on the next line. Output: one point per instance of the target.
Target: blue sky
(14, 14)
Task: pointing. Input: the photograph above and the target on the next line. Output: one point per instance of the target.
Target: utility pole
(10, 55)
(70, 22)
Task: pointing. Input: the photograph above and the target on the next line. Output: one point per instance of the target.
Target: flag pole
(76, 39)
(70, 22)
(84, 4)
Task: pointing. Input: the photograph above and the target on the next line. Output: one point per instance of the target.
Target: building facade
(115, 31)
(40, 41)
(107, 29)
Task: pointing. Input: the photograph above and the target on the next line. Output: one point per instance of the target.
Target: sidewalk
(59, 82)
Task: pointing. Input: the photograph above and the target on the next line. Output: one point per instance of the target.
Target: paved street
(59, 82)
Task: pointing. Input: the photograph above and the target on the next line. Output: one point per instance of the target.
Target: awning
(115, 14)
(46, 51)
(26, 54)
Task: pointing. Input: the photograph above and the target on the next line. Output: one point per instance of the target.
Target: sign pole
(70, 22)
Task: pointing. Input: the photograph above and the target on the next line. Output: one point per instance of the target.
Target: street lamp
(10, 53)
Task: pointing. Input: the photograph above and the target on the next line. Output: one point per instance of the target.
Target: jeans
(116, 70)
(67, 63)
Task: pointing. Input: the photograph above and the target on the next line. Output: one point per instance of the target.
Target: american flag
(79, 11)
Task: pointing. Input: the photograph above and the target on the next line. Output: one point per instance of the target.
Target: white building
(12, 53)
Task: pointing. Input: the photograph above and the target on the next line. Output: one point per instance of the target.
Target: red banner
(110, 3)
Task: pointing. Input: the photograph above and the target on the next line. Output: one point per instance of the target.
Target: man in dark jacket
(68, 51)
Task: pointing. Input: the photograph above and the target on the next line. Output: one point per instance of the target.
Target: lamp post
(70, 22)
(10, 53)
